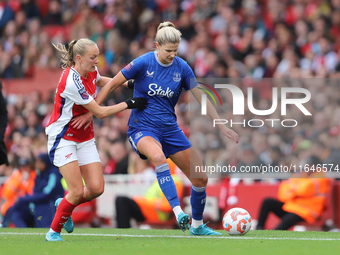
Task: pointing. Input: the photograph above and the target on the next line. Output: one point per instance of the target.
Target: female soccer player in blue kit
(160, 76)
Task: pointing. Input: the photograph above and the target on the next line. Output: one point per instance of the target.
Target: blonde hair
(76, 47)
(167, 33)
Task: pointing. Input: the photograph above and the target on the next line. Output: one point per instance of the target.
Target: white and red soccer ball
(237, 221)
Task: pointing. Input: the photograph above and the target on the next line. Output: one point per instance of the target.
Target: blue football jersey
(162, 85)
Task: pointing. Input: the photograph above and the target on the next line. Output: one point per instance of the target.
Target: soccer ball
(237, 221)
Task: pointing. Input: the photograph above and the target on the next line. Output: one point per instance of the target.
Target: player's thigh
(90, 165)
(87, 153)
(93, 177)
(152, 149)
(64, 156)
(148, 146)
(61, 151)
(72, 175)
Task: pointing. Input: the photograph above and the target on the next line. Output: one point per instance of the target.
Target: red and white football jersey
(73, 91)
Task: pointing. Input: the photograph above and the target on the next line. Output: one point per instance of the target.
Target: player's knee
(96, 191)
(200, 182)
(76, 194)
(159, 159)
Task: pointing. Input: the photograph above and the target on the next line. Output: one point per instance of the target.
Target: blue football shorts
(172, 141)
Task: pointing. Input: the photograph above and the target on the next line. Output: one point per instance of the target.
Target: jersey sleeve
(189, 81)
(133, 68)
(75, 90)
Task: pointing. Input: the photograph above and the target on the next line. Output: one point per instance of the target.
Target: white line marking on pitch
(165, 236)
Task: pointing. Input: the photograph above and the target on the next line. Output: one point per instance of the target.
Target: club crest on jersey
(177, 77)
(128, 67)
(83, 93)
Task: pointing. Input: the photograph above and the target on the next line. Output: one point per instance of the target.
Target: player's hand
(139, 103)
(231, 134)
(83, 120)
(131, 84)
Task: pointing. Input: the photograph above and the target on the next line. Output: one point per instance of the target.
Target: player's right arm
(115, 82)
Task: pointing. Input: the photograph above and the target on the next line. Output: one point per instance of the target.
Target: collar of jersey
(74, 70)
(159, 62)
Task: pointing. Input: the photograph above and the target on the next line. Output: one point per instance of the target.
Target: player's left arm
(103, 81)
(212, 113)
(108, 85)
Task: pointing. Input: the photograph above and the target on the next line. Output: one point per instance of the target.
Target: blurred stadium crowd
(220, 39)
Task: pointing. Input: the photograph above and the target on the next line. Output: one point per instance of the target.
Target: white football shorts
(62, 152)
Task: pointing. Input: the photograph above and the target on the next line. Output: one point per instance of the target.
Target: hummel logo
(68, 156)
(148, 74)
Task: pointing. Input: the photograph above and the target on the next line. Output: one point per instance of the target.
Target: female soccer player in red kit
(74, 150)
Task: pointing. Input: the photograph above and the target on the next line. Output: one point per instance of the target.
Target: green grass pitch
(159, 242)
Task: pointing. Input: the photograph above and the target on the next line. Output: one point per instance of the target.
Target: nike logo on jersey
(155, 90)
(133, 101)
(148, 74)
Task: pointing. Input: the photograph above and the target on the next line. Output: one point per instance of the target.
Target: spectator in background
(33, 125)
(30, 8)
(54, 15)
(120, 156)
(37, 209)
(7, 14)
(300, 198)
(248, 158)
(19, 184)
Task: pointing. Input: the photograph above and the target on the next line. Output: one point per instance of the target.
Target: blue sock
(197, 200)
(167, 184)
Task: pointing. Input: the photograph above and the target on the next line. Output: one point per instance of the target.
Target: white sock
(196, 223)
(51, 230)
(177, 210)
